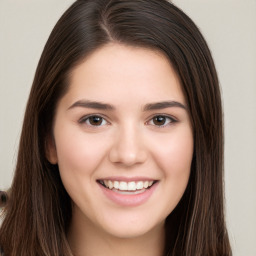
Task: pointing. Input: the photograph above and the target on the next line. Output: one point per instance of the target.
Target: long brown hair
(38, 211)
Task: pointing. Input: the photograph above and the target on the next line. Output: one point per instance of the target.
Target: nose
(128, 148)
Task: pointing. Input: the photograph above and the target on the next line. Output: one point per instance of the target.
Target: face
(123, 141)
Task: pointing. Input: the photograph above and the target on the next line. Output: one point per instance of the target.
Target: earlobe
(50, 150)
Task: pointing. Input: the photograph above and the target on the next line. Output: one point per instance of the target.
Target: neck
(86, 240)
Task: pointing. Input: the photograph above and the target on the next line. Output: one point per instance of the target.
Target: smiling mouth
(134, 187)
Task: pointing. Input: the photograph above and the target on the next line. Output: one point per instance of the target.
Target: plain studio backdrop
(229, 27)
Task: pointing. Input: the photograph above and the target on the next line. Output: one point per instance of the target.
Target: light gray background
(230, 29)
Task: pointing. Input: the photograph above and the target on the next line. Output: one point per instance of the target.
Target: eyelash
(86, 119)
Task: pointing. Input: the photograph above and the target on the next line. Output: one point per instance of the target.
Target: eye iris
(159, 120)
(95, 120)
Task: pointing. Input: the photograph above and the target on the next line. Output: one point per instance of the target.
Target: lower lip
(128, 199)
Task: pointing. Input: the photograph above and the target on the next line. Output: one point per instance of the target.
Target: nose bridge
(128, 147)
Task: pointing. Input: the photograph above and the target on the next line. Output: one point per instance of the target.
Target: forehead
(126, 71)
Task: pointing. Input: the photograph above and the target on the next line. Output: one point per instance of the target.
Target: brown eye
(161, 120)
(93, 121)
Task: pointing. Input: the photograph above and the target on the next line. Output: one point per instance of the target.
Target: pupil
(95, 120)
(159, 120)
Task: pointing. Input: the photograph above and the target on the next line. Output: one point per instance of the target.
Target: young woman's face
(123, 141)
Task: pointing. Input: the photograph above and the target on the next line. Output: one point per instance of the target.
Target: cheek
(174, 155)
(77, 152)
(78, 158)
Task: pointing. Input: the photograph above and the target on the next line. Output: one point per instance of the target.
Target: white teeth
(110, 184)
(139, 185)
(131, 186)
(123, 185)
(116, 184)
(127, 186)
(145, 185)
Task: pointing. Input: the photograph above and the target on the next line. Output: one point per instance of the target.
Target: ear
(50, 150)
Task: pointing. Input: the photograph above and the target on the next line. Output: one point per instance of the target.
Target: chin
(129, 229)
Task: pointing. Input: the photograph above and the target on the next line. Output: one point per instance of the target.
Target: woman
(121, 151)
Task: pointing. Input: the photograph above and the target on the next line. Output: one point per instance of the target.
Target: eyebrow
(105, 106)
(92, 104)
(163, 105)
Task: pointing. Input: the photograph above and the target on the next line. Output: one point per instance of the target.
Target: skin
(126, 142)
